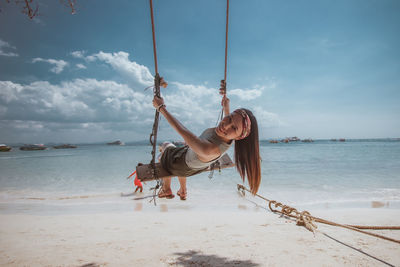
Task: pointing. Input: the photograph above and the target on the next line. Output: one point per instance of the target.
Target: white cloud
(251, 94)
(198, 105)
(80, 66)
(138, 74)
(266, 119)
(78, 54)
(80, 100)
(59, 65)
(9, 91)
(6, 45)
(196, 90)
(247, 94)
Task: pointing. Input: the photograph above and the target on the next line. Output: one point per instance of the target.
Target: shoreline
(198, 202)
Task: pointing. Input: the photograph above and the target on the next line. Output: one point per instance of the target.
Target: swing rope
(223, 82)
(226, 39)
(156, 92)
(154, 37)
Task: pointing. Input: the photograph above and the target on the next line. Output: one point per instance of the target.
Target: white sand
(192, 238)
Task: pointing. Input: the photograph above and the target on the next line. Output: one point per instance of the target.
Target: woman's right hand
(157, 101)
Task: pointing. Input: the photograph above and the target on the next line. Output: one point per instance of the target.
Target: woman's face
(231, 127)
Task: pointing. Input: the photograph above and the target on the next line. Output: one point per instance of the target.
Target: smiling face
(231, 127)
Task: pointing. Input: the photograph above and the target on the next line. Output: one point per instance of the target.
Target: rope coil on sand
(305, 219)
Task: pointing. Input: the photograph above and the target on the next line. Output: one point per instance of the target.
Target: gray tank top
(191, 158)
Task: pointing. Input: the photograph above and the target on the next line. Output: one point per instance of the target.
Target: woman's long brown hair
(247, 156)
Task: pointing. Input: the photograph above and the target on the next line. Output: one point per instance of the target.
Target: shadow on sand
(196, 258)
(92, 264)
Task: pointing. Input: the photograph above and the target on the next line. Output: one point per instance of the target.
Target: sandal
(181, 195)
(162, 194)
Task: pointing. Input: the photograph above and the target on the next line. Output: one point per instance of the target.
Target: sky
(314, 69)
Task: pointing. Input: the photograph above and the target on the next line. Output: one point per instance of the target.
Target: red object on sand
(137, 182)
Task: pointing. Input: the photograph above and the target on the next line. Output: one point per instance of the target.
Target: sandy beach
(303, 96)
(250, 236)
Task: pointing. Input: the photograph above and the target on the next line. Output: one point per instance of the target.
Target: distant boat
(290, 139)
(309, 140)
(64, 146)
(33, 147)
(4, 148)
(273, 141)
(333, 139)
(342, 140)
(116, 143)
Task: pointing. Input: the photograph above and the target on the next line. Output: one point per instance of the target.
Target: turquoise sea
(323, 174)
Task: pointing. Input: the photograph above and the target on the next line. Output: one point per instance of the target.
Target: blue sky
(319, 69)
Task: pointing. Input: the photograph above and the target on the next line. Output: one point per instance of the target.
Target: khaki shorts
(173, 160)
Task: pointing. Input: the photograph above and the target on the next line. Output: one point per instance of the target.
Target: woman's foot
(167, 193)
(182, 194)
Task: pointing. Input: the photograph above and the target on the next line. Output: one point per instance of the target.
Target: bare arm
(205, 150)
(225, 105)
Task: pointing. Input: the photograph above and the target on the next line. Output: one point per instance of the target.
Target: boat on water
(309, 140)
(64, 146)
(116, 143)
(342, 140)
(290, 139)
(32, 147)
(4, 148)
(273, 141)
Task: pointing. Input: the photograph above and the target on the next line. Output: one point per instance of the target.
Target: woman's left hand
(157, 101)
(225, 101)
(225, 105)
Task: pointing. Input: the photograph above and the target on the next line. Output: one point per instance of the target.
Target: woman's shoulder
(207, 133)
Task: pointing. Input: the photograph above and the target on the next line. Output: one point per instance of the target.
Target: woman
(200, 152)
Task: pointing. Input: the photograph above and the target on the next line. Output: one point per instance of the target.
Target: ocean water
(91, 178)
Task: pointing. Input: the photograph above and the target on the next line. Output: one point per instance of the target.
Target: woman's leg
(182, 192)
(166, 189)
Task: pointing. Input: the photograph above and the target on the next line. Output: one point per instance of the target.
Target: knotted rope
(305, 219)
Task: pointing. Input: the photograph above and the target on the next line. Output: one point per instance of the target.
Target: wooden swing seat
(145, 172)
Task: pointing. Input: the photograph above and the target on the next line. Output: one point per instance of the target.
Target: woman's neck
(223, 138)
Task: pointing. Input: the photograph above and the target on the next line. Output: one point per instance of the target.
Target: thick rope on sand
(305, 219)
